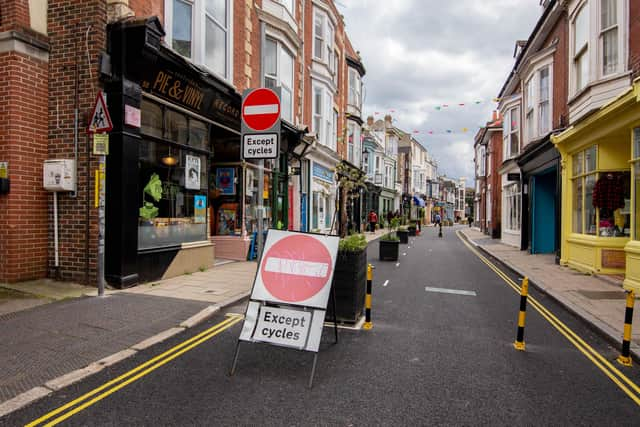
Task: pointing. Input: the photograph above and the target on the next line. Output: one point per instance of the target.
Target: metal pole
(260, 208)
(101, 222)
(367, 302)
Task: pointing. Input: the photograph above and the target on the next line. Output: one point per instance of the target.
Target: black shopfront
(168, 115)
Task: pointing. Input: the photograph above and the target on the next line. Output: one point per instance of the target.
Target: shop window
(151, 120)
(512, 206)
(173, 199)
(252, 199)
(175, 127)
(198, 134)
(601, 199)
(636, 182)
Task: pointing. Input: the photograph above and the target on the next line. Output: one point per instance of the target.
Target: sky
(426, 57)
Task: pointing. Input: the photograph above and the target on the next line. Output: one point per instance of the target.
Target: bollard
(367, 301)
(524, 292)
(625, 357)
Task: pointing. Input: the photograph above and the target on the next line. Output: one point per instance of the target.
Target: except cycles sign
(260, 124)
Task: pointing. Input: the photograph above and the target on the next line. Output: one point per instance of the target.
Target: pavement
(598, 299)
(55, 334)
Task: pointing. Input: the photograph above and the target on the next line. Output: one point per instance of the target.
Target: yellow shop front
(600, 189)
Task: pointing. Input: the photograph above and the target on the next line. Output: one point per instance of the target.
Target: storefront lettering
(178, 90)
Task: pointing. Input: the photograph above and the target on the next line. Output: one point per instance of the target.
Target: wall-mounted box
(59, 175)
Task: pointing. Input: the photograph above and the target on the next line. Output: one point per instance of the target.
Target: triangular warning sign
(100, 120)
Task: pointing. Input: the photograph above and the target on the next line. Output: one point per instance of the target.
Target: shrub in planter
(403, 234)
(389, 247)
(350, 279)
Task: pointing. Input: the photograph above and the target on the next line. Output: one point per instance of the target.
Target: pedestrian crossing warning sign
(100, 120)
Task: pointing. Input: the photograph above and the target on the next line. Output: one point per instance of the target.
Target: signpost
(260, 126)
(99, 124)
(290, 292)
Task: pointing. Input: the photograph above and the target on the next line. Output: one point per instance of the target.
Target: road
(433, 357)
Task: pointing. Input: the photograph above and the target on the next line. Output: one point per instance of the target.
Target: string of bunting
(442, 107)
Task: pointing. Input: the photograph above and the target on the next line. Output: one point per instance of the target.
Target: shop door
(543, 221)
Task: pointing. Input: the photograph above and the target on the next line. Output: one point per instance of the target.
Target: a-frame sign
(100, 119)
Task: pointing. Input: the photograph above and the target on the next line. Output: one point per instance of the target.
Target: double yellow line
(622, 381)
(90, 398)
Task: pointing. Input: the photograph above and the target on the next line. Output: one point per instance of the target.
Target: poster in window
(225, 181)
(226, 220)
(200, 209)
(192, 173)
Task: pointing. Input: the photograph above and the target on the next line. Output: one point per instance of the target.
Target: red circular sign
(296, 268)
(261, 109)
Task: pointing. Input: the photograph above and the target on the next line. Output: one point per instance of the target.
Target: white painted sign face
(287, 327)
(282, 326)
(296, 269)
(192, 172)
(260, 146)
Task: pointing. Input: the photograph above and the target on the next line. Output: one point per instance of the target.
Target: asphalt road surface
(440, 352)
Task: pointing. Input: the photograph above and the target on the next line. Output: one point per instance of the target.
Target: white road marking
(450, 291)
(386, 282)
(251, 110)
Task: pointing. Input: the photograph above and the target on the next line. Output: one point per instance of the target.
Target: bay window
(510, 131)
(200, 30)
(544, 111)
(323, 39)
(354, 88)
(581, 48)
(325, 118)
(529, 103)
(278, 71)
(609, 36)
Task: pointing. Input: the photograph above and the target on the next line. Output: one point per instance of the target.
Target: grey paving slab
(46, 342)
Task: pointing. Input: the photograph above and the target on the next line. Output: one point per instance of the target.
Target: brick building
(173, 73)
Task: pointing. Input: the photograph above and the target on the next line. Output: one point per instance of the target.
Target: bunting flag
(440, 107)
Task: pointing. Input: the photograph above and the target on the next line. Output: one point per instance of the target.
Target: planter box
(412, 231)
(350, 286)
(389, 250)
(403, 235)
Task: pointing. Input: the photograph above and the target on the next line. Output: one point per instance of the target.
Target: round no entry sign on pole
(261, 109)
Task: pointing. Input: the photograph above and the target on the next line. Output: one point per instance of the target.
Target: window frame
(581, 176)
(508, 131)
(199, 16)
(281, 49)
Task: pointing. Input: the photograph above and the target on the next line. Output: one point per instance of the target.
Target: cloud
(420, 54)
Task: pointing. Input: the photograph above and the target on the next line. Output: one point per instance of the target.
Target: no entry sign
(296, 269)
(261, 109)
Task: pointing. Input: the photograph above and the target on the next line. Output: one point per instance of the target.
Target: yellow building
(601, 190)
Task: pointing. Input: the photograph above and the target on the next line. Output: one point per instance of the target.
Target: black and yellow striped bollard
(367, 301)
(625, 357)
(524, 292)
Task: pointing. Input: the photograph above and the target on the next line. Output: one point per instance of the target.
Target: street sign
(280, 326)
(296, 269)
(100, 120)
(260, 146)
(100, 144)
(261, 109)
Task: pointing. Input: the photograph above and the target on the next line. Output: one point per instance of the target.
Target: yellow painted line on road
(630, 388)
(150, 365)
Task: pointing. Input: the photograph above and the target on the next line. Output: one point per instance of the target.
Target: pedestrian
(470, 220)
(438, 219)
(389, 218)
(372, 218)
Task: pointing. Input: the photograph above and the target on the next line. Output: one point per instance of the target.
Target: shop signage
(513, 177)
(132, 116)
(100, 120)
(170, 82)
(200, 209)
(225, 181)
(295, 272)
(260, 146)
(100, 144)
(322, 173)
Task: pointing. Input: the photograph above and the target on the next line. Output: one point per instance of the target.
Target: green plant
(395, 222)
(403, 228)
(202, 268)
(390, 237)
(353, 243)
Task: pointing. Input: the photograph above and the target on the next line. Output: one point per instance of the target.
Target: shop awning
(418, 201)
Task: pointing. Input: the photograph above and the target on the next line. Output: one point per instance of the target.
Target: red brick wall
(634, 38)
(14, 14)
(495, 146)
(23, 143)
(68, 21)
(145, 8)
(560, 113)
